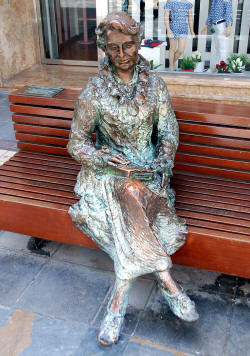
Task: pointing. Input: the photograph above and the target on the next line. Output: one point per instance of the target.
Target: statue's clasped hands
(114, 159)
(118, 159)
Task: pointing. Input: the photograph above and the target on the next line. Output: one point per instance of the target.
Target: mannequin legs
(177, 48)
(221, 43)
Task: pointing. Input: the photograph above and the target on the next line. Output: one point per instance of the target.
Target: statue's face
(122, 50)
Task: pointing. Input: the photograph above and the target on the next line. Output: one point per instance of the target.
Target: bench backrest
(214, 138)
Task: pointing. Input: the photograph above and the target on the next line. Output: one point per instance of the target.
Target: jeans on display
(221, 45)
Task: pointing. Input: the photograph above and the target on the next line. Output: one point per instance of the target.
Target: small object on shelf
(37, 90)
(187, 64)
(237, 63)
(153, 66)
(151, 43)
(223, 67)
(199, 64)
(154, 53)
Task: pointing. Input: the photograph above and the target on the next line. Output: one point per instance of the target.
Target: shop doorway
(68, 31)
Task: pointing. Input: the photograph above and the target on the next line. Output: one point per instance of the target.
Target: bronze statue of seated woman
(126, 205)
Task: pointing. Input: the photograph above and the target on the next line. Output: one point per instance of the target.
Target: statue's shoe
(181, 305)
(110, 329)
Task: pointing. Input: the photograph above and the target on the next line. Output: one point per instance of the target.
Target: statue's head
(119, 36)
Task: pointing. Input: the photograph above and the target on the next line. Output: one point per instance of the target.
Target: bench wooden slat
(44, 162)
(40, 111)
(205, 216)
(220, 227)
(220, 215)
(36, 177)
(202, 189)
(35, 183)
(42, 173)
(57, 188)
(41, 130)
(192, 107)
(42, 167)
(212, 161)
(214, 151)
(214, 141)
(35, 189)
(235, 120)
(37, 196)
(41, 120)
(189, 178)
(47, 157)
(215, 233)
(31, 202)
(201, 201)
(42, 139)
(214, 130)
(235, 202)
(206, 170)
(42, 148)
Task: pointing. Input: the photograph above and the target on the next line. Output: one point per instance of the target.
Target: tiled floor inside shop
(52, 306)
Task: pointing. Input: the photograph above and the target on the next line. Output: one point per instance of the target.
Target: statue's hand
(157, 165)
(163, 170)
(116, 159)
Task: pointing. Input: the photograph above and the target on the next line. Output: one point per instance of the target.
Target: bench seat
(211, 179)
(36, 191)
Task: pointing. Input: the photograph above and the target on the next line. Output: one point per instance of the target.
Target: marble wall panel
(17, 41)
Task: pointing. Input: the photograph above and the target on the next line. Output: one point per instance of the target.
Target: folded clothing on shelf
(151, 43)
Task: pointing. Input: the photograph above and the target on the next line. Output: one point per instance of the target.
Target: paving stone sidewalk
(52, 306)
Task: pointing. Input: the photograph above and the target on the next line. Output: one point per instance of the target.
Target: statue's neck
(126, 76)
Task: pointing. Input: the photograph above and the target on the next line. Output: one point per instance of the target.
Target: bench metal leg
(35, 245)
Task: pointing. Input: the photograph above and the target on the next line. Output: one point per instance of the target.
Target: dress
(133, 221)
(178, 11)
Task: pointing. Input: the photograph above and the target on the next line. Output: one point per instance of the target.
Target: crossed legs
(178, 301)
(136, 199)
(176, 49)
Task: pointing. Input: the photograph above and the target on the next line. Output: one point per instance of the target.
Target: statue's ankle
(181, 305)
(110, 328)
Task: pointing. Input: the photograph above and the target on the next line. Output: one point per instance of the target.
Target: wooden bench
(212, 179)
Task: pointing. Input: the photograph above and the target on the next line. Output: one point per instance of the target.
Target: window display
(178, 15)
(217, 32)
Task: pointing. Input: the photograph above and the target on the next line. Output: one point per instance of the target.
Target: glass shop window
(201, 36)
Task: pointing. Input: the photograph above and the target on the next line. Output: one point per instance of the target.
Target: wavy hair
(120, 21)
